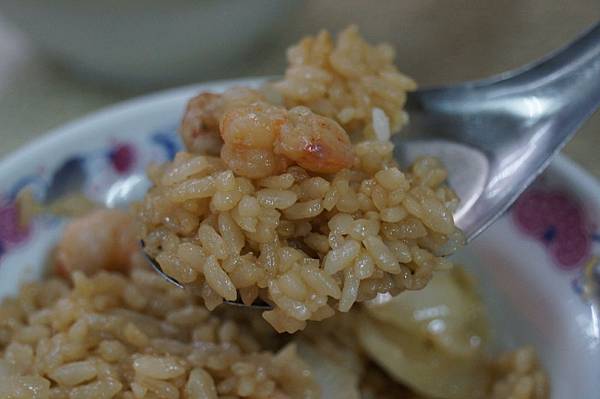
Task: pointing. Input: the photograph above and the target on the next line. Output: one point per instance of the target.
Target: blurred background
(64, 58)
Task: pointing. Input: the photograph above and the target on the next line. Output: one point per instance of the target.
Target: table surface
(434, 39)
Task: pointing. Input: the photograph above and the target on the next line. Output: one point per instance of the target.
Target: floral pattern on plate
(558, 221)
(117, 161)
(11, 232)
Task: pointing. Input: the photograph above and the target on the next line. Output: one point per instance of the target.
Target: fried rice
(292, 212)
(350, 81)
(132, 335)
(269, 201)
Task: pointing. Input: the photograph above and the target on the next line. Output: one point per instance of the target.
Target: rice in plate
(291, 212)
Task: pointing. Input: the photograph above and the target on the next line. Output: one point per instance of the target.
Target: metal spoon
(496, 135)
(257, 304)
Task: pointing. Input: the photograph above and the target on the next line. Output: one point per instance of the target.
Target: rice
(517, 375)
(372, 229)
(381, 124)
(351, 81)
(291, 213)
(88, 341)
(136, 336)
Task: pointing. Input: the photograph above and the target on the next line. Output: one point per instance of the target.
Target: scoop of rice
(308, 244)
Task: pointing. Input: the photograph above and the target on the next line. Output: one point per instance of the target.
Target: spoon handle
(566, 83)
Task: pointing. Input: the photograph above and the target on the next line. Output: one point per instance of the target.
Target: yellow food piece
(431, 340)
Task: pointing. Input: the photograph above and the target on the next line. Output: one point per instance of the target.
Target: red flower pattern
(556, 220)
(11, 232)
(122, 158)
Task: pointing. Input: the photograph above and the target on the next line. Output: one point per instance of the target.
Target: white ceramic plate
(536, 265)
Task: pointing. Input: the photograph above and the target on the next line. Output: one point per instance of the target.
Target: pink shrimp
(249, 133)
(200, 125)
(101, 240)
(315, 142)
(263, 139)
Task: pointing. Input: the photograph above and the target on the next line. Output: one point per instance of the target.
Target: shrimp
(255, 125)
(315, 142)
(263, 139)
(200, 125)
(101, 240)
(249, 133)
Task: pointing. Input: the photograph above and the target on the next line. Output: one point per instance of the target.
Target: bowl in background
(141, 44)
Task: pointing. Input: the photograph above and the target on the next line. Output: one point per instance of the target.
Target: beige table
(437, 40)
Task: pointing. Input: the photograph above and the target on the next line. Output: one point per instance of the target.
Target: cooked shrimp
(249, 133)
(200, 125)
(255, 125)
(263, 139)
(315, 142)
(102, 240)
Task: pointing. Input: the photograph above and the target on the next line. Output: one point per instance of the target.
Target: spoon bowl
(257, 304)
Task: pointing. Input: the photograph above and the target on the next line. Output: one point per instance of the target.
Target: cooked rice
(518, 375)
(306, 243)
(291, 212)
(113, 336)
(136, 336)
(346, 81)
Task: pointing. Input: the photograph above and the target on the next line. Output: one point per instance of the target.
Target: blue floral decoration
(168, 139)
(68, 178)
